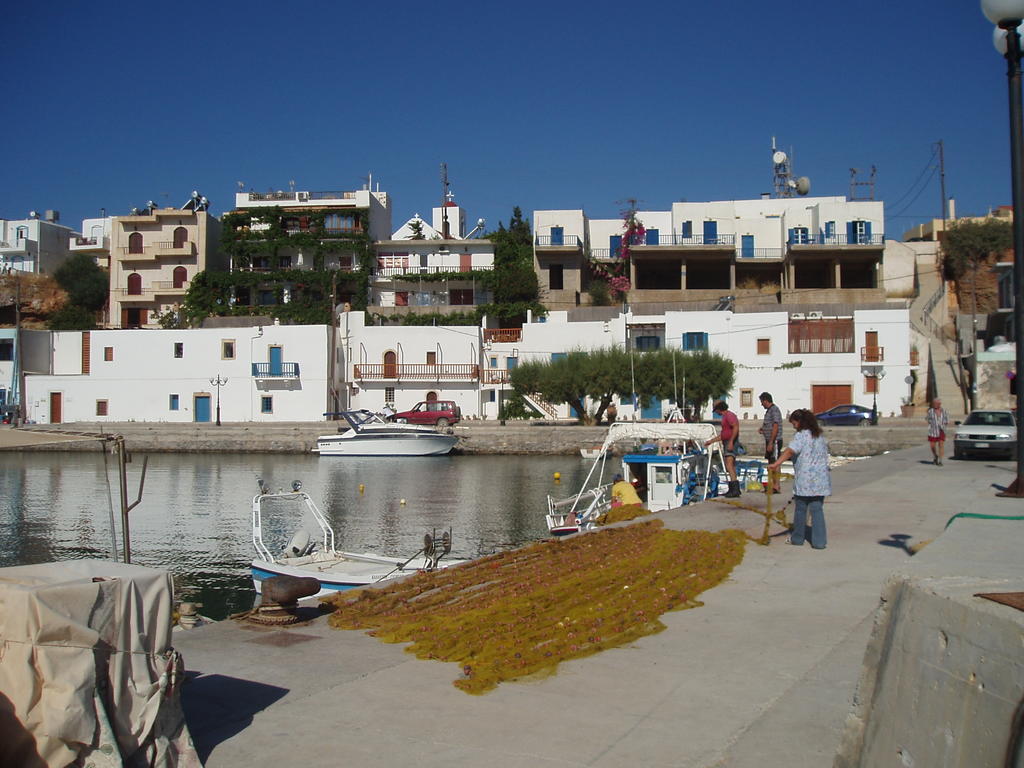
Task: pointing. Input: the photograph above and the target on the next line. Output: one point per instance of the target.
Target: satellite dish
(803, 185)
(779, 157)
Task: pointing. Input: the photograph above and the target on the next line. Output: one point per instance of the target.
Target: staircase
(542, 405)
(942, 365)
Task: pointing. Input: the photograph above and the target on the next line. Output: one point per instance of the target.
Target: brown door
(824, 396)
(390, 365)
(55, 408)
(872, 354)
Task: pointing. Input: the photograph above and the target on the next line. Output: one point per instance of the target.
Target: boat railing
(257, 521)
(584, 508)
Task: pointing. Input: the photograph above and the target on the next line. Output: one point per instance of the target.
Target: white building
(804, 359)
(34, 244)
(267, 373)
(426, 267)
(402, 365)
(94, 240)
(800, 249)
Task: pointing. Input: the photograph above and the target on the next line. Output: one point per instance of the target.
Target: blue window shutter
(789, 236)
(615, 243)
(851, 232)
(651, 237)
(687, 229)
(830, 229)
(704, 341)
(747, 251)
(557, 236)
(867, 231)
(559, 356)
(511, 362)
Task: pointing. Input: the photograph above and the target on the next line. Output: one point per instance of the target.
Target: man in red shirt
(730, 438)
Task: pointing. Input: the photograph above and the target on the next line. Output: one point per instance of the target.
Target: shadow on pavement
(899, 540)
(217, 707)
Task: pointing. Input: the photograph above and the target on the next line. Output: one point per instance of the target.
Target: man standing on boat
(730, 439)
(623, 493)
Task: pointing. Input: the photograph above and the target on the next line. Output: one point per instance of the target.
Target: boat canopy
(624, 430)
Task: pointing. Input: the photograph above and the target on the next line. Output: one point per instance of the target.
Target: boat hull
(387, 444)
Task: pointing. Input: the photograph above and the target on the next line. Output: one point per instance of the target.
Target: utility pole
(19, 369)
(942, 186)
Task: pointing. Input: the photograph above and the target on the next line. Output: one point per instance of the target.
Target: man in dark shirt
(771, 429)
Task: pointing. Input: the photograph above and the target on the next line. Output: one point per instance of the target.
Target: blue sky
(540, 105)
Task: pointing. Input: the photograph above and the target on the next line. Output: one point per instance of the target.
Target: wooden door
(825, 396)
(56, 407)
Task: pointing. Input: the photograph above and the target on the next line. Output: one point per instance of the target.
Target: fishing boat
(368, 434)
(668, 464)
(310, 555)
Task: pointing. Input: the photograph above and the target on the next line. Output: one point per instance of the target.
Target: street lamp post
(877, 373)
(1007, 16)
(218, 383)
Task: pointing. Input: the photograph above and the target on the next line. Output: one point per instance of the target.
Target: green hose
(984, 517)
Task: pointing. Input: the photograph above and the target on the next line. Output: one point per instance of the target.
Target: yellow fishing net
(522, 612)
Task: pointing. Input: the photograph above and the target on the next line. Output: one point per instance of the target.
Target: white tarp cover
(86, 669)
(675, 432)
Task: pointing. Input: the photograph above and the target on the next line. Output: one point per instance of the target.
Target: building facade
(36, 245)
(154, 256)
(265, 374)
(770, 249)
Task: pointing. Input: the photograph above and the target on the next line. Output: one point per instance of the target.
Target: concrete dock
(763, 675)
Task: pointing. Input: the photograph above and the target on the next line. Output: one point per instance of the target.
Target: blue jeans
(816, 506)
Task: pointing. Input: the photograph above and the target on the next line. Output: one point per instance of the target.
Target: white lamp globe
(999, 38)
(1003, 10)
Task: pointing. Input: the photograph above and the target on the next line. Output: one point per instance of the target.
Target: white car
(986, 433)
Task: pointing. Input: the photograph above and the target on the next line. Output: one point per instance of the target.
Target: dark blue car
(845, 416)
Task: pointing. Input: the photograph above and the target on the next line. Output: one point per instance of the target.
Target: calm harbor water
(195, 515)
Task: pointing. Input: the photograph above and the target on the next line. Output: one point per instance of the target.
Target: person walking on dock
(812, 480)
(938, 418)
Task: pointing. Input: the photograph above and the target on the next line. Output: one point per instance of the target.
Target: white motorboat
(306, 555)
(370, 435)
(671, 469)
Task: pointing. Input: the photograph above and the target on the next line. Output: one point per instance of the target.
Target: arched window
(180, 277)
(390, 365)
(180, 237)
(135, 242)
(134, 284)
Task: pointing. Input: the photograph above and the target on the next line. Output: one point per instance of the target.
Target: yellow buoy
(558, 475)
(402, 502)
(361, 488)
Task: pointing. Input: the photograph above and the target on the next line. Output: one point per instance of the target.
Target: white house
(402, 365)
(415, 269)
(266, 373)
(34, 244)
(824, 249)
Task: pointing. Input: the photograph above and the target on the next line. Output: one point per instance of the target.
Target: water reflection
(195, 516)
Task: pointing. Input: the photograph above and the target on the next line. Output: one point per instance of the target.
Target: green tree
(968, 245)
(72, 317)
(708, 375)
(514, 282)
(86, 283)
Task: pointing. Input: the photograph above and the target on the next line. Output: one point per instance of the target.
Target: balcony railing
(819, 239)
(256, 197)
(567, 241)
(85, 241)
(503, 335)
(275, 370)
(872, 354)
(418, 270)
(494, 376)
(676, 239)
(418, 371)
(759, 253)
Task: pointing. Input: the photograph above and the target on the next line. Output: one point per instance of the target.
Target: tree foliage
(85, 282)
(72, 317)
(969, 245)
(514, 282)
(600, 376)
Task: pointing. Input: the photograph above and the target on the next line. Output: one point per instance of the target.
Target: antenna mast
(445, 234)
(854, 185)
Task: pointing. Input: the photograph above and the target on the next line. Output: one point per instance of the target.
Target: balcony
(495, 376)
(417, 371)
(837, 240)
(558, 241)
(89, 244)
(173, 249)
(754, 254)
(688, 240)
(401, 271)
(275, 370)
(872, 354)
(503, 335)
